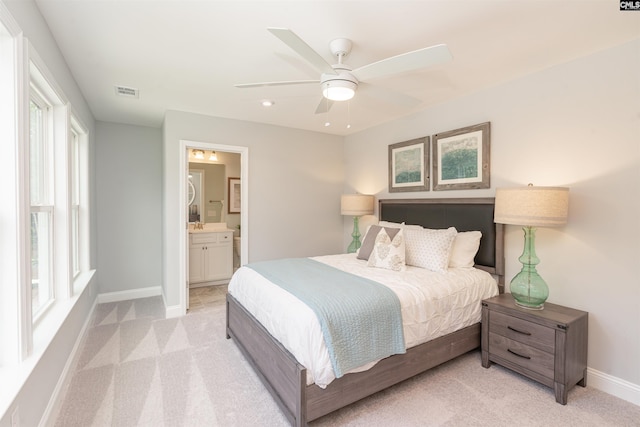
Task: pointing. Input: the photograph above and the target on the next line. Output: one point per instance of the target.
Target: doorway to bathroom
(213, 193)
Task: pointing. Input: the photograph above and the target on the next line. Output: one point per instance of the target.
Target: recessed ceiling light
(267, 103)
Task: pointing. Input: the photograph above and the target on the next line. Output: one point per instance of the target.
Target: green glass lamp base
(527, 287)
(355, 243)
(529, 290)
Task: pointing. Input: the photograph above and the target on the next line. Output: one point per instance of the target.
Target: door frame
(183, 222)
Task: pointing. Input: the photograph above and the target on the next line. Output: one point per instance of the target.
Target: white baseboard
(53, 407)
(614, 386)
(129, 294)
(172, 310)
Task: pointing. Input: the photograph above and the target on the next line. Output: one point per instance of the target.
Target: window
(41, 201)
(75, 202)
(79, 201)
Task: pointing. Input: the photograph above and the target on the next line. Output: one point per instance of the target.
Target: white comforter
(433, 304)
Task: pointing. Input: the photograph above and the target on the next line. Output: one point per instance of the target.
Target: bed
(288, 381)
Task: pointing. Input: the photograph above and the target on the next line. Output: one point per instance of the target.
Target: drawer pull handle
(519, 355)
(518, 331)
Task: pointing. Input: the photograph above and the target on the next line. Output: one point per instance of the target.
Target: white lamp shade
(356, 204)
(532, 206)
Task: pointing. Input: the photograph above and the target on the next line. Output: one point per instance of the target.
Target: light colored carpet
(136, 368)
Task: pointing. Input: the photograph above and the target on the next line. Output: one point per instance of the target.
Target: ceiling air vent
(127, 91)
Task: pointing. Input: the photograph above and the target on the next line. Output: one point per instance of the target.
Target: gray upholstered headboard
(463, 214)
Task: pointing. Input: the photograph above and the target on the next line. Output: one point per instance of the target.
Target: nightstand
(548, 346)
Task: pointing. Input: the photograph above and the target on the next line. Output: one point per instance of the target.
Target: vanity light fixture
(213, 157)
(198, 154)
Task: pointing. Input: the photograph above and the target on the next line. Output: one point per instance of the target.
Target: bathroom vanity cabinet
(210, 257)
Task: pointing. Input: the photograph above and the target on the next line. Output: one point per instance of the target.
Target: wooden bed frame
(285, 378)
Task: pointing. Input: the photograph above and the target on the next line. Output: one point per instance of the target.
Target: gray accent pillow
(369, 240)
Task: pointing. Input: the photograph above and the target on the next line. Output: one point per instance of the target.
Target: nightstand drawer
(538, 336)
(522, 355)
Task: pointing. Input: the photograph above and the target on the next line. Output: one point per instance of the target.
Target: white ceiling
(187, 55)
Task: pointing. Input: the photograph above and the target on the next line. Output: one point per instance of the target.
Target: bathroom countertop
(210, 230)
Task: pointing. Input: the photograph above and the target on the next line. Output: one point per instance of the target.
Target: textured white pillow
(370, 240)
(464, 249)
(388, 253)
(429, 248)
(390, 224)
(399, 225)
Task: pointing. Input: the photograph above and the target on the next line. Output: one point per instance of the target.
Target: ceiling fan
(339, 82)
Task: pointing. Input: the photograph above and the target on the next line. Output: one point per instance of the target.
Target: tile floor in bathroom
(205, 297)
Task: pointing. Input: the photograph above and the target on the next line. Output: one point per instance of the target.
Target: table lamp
(531, 207)
(356, 205)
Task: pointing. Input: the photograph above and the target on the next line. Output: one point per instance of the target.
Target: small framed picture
(461, 158)
(234, 195)
(409, 165)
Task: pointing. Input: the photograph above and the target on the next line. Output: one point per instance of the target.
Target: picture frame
(461, 158)
(409, 165)
(234, 195)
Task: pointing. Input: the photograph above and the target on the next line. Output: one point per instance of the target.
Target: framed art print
(409, 165)
(234, 195)
(461, 158)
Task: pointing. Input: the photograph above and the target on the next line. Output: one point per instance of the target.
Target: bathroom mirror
(194, 195)
(209, 196)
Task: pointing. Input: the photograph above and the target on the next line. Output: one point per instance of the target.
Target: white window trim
(74, 199)
(84, 228)
(15, 320)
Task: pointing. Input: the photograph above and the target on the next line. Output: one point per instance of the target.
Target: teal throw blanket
(361, 319)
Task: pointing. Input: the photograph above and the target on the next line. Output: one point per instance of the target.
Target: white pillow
(399, 225)
(464, 249)
(390, 224)
(388, 253)
(429, 248)
(370, 240)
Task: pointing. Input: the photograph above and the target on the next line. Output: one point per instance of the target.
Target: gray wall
(295, 182)
(129, 206)
(574, 125)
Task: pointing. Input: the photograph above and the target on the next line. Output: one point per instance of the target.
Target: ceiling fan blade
(290, 38)
(405, 62)
(388, 95)
(285, 83)
(324, 105)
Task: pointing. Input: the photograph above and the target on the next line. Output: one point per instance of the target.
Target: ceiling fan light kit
(339, 89)
(339, 82)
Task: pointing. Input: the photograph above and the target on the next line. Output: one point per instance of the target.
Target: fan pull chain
(348, 114)
(328, 122)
